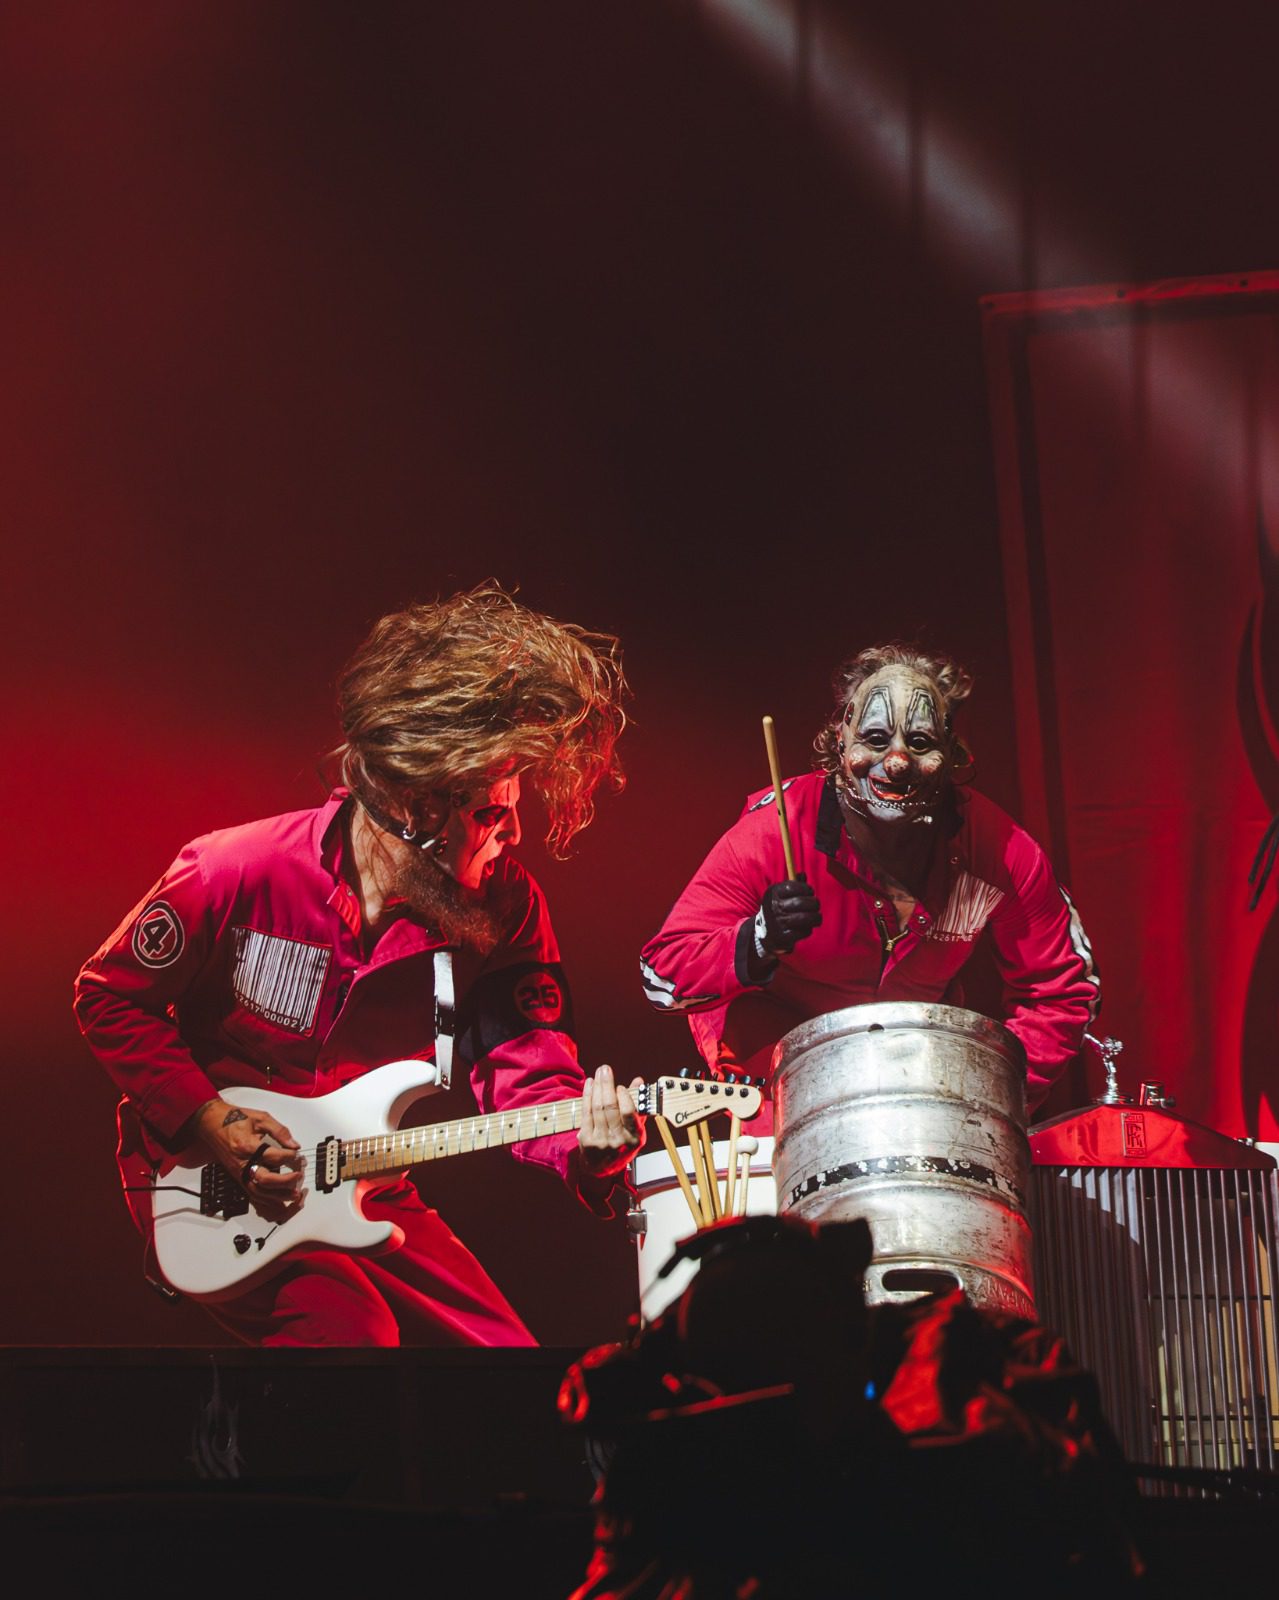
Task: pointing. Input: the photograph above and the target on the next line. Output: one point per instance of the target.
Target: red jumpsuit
(244, 966)
(987, 875)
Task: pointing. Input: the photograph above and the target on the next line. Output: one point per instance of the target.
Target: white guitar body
(211, 1257)
(212, 1241)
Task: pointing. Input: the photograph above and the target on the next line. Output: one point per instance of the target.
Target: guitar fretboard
(384, 1152)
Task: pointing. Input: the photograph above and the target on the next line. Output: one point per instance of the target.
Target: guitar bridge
(220, 1195)
(328, 1164)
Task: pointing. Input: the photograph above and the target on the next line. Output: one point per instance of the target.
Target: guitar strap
(444, 1016)
(444, 998)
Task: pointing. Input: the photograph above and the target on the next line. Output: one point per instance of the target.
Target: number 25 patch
(539, 998)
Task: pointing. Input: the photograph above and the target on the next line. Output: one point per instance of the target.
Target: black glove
(788, 913)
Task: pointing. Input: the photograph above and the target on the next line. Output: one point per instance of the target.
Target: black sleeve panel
(514, 1000)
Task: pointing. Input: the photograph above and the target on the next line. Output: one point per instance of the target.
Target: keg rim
(891, 1016)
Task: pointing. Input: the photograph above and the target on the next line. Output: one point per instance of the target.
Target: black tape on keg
(888, 1166)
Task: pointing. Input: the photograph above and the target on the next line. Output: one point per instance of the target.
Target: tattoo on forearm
(233, 1115)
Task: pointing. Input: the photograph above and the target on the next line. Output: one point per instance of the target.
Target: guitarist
(299, 952)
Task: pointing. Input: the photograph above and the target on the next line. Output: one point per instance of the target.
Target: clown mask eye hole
(919, 742)
(876, 738)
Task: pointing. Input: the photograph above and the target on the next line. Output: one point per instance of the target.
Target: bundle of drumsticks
(707, 1203)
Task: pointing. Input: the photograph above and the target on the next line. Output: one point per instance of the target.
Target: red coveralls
(987, 874)
(244, 966)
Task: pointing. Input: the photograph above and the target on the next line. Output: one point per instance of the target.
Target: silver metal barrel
(912, 1116)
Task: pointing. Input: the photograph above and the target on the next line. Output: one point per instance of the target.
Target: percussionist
(899, 868)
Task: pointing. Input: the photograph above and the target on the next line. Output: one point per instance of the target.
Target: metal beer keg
(914, 1117)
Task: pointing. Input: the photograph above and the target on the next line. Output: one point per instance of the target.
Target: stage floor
(351, 1466)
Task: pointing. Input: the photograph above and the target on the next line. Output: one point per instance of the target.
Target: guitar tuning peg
(730, 1077)
(684, 1072)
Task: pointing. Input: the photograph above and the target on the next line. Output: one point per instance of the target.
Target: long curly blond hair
(951, 680)
(453, 692)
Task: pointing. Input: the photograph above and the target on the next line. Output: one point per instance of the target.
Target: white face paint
(480, 824)
(896, 753)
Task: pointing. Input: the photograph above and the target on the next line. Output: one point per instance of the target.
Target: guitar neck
(683, 1103)
(386, 1152)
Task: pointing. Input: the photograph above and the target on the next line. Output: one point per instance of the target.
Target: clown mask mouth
(889, 800)
(893, 792)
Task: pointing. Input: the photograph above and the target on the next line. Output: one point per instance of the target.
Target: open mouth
(893, 794)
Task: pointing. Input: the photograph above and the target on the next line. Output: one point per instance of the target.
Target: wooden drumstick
(705, 1177)
(730, 1177)
(708, 1155)
(770, 744)
(747, 1146)
(672, 1150)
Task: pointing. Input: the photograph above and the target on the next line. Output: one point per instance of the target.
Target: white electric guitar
(212, 1241)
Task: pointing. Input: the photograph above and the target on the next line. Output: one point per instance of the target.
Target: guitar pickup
(220, 1195)
(328, 1164)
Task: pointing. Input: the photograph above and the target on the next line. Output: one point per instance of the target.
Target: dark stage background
(665, 312)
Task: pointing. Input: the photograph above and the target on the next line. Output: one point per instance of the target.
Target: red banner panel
(1138, 474)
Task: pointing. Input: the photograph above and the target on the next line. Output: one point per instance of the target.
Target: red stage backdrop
(1138, 476)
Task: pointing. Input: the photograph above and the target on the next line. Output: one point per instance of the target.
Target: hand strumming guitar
(612, 1129)
(259, 1152)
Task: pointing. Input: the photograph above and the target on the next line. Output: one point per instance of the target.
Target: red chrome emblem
(1135, 1147)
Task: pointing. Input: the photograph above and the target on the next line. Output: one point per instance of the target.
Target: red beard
(465, 917)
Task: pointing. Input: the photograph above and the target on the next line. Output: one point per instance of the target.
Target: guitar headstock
(683, 1101)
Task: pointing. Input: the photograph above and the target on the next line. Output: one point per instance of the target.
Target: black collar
(830, 819)
(399, 830)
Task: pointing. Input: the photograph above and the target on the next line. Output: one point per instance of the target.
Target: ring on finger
(249, 1170)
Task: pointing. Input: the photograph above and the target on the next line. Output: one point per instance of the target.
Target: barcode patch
(279, 979)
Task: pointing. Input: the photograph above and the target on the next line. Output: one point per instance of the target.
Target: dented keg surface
(914, 1117)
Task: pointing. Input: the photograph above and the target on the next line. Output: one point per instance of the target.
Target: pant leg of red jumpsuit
(431, 1291)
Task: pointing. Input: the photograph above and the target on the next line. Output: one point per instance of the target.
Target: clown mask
(896, 749)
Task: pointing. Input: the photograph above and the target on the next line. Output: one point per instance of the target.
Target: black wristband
(752, 971)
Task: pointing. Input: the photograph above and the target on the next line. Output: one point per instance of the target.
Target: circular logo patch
(158, 939)
(538, 997)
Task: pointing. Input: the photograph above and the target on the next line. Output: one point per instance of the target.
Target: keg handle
(1108, 1049)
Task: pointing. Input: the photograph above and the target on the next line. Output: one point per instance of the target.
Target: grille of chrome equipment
(1156, 1258)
